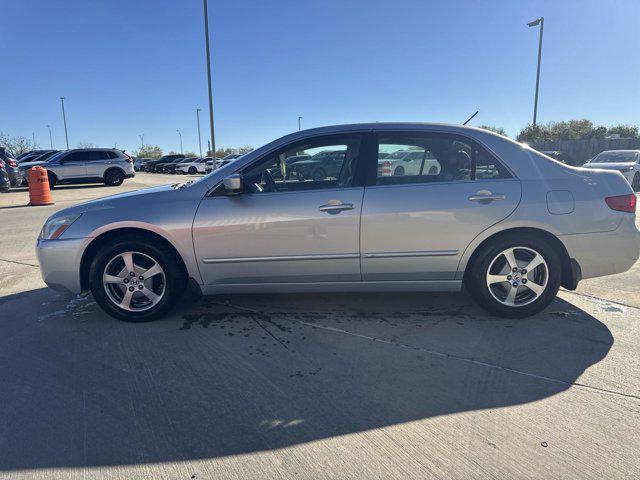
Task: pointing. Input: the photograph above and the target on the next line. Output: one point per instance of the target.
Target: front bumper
(605, 253)
(60, 263)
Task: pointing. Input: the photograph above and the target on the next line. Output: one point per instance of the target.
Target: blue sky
(128, 67)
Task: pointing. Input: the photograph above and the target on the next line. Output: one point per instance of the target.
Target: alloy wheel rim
(517, 276)
(134, 281)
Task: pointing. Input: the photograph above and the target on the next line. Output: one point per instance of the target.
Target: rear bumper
(605, 253)
(60, 263)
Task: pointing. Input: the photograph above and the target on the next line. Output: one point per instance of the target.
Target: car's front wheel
(136, 281)
(193, 170)
(515, 277)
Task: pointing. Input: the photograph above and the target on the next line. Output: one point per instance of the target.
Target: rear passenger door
(416, 226)
(97, 162)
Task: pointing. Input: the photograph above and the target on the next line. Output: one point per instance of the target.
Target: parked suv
(86, 165)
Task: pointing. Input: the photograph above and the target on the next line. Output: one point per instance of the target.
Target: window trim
(372, 159)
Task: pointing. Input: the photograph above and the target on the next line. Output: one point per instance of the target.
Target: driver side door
(283, 228)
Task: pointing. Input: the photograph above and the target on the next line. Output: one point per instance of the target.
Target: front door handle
(485, 196)
(335, 206)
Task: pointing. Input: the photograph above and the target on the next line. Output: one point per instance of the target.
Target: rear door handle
(335, 206)
(484, 196)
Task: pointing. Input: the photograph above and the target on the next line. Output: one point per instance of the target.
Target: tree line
(569, 130)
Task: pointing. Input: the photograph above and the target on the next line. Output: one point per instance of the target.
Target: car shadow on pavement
(240, 374)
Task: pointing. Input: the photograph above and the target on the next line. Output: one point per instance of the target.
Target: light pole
(141, 141)
(199, 137)
(299, 124)
(50, 137)
(180, 140)
(206, 37)
(535, 23)
(33, 139)
(64, 118)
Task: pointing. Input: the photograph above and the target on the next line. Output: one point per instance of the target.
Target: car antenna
(471, 117)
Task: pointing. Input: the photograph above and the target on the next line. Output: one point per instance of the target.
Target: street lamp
(206, 38)
(299, 124)
(50, 137)
(180, 140)
(198, 110)
(64, 118)
(33, 139)
(535, 23)
(141, 136)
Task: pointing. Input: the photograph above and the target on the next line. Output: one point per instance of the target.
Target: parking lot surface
(310, 386)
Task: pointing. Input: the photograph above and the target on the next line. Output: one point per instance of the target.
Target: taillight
(129, 159)
(386, 168)
(622, 203)
(1, 164)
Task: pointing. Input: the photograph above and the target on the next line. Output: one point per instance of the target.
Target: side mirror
(233, 183)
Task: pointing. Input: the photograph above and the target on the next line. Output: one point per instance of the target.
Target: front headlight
(55, 227)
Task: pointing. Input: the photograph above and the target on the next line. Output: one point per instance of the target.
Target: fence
(583, 150)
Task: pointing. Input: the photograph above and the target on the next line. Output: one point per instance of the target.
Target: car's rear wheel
(399, 171)
(193, 170)
(136, 281)
(515, 277)
(318, 175)
(635, 184)
(113, 178)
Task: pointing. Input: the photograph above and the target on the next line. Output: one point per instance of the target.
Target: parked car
(32, 155)
(171, 167)
(5, 184)
(196, 165)
(561, 157)
(44, 156)
(153, 166)
(626, 162)
(512, 227)
(11, 167)
(139, 162)
(323, 164)
(403, 162)
(86, 165)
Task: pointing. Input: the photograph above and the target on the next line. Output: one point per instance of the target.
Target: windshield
(55, 156)
(615, 157)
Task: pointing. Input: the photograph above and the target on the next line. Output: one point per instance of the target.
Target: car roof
(621, 151)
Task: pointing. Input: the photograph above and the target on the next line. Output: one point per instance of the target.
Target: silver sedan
(509, 223)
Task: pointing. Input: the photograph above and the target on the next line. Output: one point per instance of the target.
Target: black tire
(113, 178)
(635, 184)
(53, 180)
(193, 170)
(399, 171)
(176, 280)
(476, 283)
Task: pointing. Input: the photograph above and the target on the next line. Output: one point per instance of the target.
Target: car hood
(113, 201)
(28, 165)
(610, 165)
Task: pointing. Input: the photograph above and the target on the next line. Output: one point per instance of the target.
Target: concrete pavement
(311, 386)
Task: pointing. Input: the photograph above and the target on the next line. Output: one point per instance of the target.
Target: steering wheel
(270, 183)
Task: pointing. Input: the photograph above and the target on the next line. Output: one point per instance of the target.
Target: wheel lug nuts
(514, 269)
(133, 274)
(141, 277)
(523, 271)
(508, 277)
(131, 289)
(515, 284)
(140, 287)
(524, 280)
(126, 280)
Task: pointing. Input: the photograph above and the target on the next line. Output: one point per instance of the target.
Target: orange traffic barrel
(39, 191)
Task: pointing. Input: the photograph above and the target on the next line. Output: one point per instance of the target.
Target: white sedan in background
(198, 165)
(627, 162)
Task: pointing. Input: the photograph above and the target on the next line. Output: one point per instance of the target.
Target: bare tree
(17, 144)
(86, 145)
